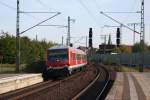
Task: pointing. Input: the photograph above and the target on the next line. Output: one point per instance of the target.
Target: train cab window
(57, 55)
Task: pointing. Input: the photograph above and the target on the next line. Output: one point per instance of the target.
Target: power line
(13, 8)
(25, 13)
(55, 25)
(40, 23)
(42, 4)
(96, 3)
(134, 4)
(8, 6)
(37, 12)
(45, 5)
(118, 22)
(88, 11)
(125, 12)
(134, 26)
(79, 40)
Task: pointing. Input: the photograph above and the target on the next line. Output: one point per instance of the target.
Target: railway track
(54, 89)
(98, 88)
(17, 94)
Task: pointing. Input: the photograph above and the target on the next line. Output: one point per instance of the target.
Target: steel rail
(107, 78)
(85, 89)
(104, 88)
(24, 90)
(31, 91)
(36, 90)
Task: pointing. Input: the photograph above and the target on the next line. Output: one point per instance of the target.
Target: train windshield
(54, 55)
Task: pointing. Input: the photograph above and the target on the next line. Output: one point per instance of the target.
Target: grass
(10, 68)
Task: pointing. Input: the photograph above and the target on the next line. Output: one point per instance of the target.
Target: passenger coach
(64, 60)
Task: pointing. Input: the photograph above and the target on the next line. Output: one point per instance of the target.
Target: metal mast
(62, 40)
(142, 35)
(134, 27)
(17, 39)
(18, 33)
(68, 34)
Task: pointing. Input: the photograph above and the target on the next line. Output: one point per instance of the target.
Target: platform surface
(130, 86)
(9, 82)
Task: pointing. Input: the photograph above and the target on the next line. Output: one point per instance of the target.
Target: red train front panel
(57, 58)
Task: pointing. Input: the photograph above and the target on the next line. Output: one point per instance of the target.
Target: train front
(57, 61)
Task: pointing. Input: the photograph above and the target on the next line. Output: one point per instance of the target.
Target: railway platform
(130, 86)
(10, 82)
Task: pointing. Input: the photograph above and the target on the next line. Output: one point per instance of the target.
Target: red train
(63, 60)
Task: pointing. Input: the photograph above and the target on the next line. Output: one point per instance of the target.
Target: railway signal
(90, 38)
(118, 37)
(119, 26)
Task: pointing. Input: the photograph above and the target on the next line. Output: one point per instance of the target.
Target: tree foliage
(30, 50)
(7, 47)
(140, 48)
(116, 50)
(125, 49)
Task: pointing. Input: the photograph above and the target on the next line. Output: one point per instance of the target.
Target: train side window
(82, 57)
(78, 57)
(74, 58)
(71, 56)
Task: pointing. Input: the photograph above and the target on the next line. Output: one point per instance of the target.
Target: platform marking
(133, 92)
(138, 87)
(117, 88)
(120, 83)
(126, 88)
(144, 83)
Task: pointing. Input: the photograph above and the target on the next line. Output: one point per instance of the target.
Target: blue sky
(85, 12)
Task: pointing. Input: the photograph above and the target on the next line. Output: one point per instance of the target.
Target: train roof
(57, 47)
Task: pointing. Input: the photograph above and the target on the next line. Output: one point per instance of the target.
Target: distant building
(83, 48)
(104, 48)
(88, 50)
(108, 48)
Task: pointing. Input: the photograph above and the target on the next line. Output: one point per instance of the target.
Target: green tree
(140, 47)
(30, 50)
(7, 47)
(116, 50)
(125, 49)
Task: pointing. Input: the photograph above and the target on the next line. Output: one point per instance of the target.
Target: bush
(107, 61)
(36, 67)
